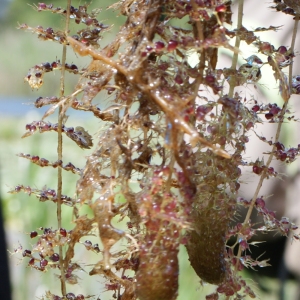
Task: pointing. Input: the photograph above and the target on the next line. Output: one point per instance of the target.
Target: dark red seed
(212, 129)
(71, 296)
(249, 125)
(279, 146)
(33, 234)
(44, 162)
(282, 50)
(54, 257)
(32, 128)
(178, 79)
(149, 48)
(43, 263)
(269, 116)
(210, 79)
(259, 202)
(271, 170)
(35, 158)
(49, 30)
(244, 245)
(47, 66)
(188, 8)
(255, 108)
(222, 140)
(18, 188)
(172, 45)
(73, 67)
(283, 156)
(47, 230)
(42, 6)
(266, 48)
(244, 139)
(38, 74)
(159, 45)
(31, 262)
(274, 110)
(256, 169)
(51, 193)
(26, 253)
(89, 22)
(221, 8)
(63, 232)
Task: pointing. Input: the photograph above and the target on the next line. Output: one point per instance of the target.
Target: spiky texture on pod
(157, 276)
(206, 245)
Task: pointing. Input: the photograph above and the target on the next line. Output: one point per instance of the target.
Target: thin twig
(60, 149)
(200, 36)
(232, 81)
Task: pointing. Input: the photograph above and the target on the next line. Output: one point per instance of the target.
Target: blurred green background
(20, 51)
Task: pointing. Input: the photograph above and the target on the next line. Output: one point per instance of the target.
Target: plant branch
(60, 149)
(232, 81)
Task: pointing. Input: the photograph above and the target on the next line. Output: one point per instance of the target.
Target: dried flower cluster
(169, 149)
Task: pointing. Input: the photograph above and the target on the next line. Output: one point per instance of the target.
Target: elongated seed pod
(157, 276)
(206, 245)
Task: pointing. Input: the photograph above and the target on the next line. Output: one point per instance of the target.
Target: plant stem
(60, 148)
(292, 49)
(200, 36)
(232, 81)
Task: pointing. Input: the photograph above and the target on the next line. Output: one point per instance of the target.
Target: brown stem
(232, 81)
(200, 36)
(60, 149)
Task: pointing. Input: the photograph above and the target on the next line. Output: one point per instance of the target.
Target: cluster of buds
(80, 14)
(43, 195)
(289, 7)
(258, 168)
(42, 162)
(284, 226)
(287, 155)
(36, 74)
(46, 34)
(46, 256)
(271, 111)
(78, 134)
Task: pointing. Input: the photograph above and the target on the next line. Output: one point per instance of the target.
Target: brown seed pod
(157, 276)
(206, 246)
